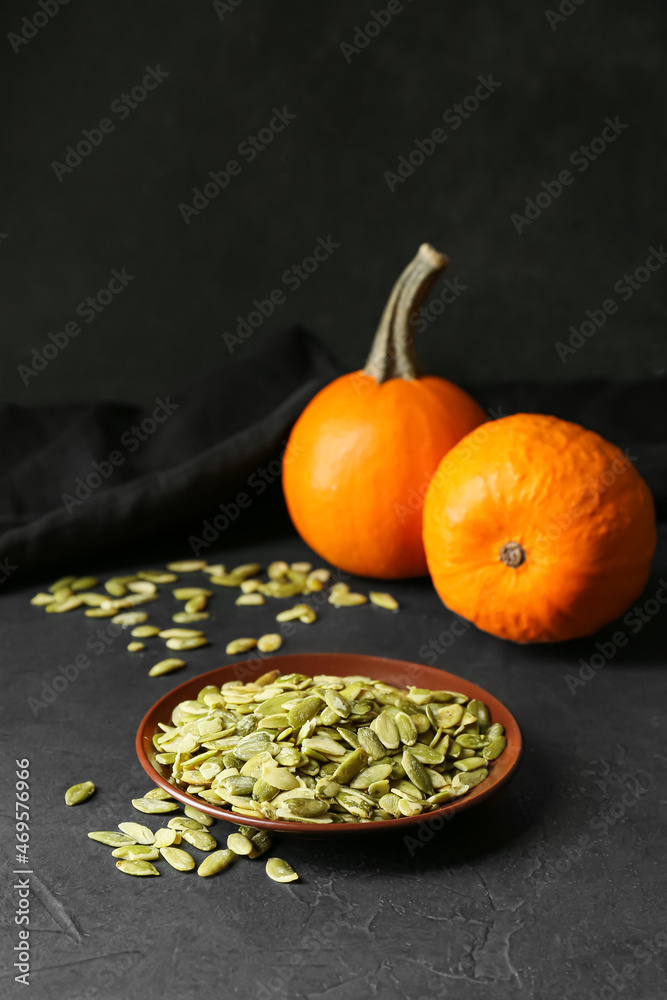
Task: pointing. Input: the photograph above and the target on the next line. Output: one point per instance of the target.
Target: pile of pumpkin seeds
(137, 846)
(328, 749)
(123, 594)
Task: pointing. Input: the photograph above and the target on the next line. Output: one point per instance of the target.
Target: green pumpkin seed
(449, 716)
(370, 742)
(494, 748)
(198, 815)
(178, 858)
(215, 863)
(111, 838)
(157, 793)
(240, 646)
(139, 833)
(84, 583)
(337, 703)
(261, 843)
(183, 823)
(469, 779)
(269, 643)
(470, 763)
(471, 741)
(137, 868)
(494, 731)
(68, 604)
(350, 767)
(383, 600)
(407, 730)
(186, 566)
(195, 605)
(157, 576)
(165, 667)
(183, 617)
(390, 803)
(201, 839)
(79, 793)
(135, 647)
(167, 838)
(426, 754)
(239, 844)
(276, 588)
(193, 643)
(153, 806)
(386, 731)
(41, 600)
(280, 871)
(136, 852)
(346, 600)
(366, 777)
(417, 773)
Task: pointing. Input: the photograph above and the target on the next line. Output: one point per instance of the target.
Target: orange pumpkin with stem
(538, 530)
(361, 455)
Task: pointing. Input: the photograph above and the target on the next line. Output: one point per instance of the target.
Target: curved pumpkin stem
(393, 351)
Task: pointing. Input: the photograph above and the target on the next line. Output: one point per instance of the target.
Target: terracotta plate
(397, 672)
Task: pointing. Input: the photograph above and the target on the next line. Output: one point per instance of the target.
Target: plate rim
(251, 667)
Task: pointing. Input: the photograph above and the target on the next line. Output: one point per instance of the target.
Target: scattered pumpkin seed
(79, 793)
(185, 593)
(383, 600)
(84, 583)
(215, 863)
(111, 838)
(153, 806)
(157, 793)
(157, 576)
(67, 604)
(41, 599)
(301, 567)
(165, 667)
(270, 642)
(239, 844)
(183, 617)
(250, 599)
(142, 587)
(240, 646)
(65, 581)
(277, 570)
(145, 631)
(183, 823)
(280, 871)
(342, 599)
(165, 837)
(137, 868)
(194, 642)
(186, 565)
(139, 833)
(100, 612)
(201, 839)
(178, 858)
(136, 852)
(135, 647)
(195, 604)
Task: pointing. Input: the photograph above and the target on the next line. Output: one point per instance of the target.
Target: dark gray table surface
(553, 888)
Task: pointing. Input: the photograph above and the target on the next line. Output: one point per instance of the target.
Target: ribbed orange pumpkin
(538, 530)
(361, 455)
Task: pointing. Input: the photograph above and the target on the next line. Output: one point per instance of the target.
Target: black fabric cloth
(88, 478)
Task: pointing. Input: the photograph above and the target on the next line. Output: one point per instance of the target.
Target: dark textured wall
(552, 80)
